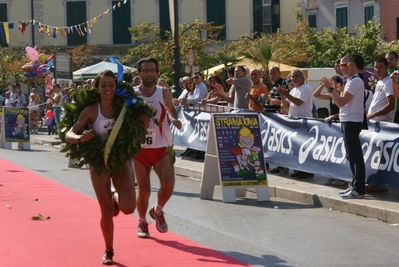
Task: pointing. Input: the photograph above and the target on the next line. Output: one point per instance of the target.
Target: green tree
(321, 48)
(82, 56)
(147, 36)
(11, 61)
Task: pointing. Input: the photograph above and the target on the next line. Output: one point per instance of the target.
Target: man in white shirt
(382, 107)
(21, 101)
(299, 100)
(200, 90)
(351, 115)
(8, 101)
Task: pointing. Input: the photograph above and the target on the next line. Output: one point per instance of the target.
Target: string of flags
(82, 29)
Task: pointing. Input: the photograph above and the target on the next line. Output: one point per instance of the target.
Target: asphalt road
(275, 233)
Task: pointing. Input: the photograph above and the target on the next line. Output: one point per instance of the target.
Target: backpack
(366, 96)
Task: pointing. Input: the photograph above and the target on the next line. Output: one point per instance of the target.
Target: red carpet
(72, 236)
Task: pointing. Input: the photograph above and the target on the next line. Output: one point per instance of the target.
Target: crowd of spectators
(246, 89)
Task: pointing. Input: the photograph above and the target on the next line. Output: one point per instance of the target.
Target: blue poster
(240, 149)
(16, 124)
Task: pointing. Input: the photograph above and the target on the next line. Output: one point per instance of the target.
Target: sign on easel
(234, 157)
(15, 128)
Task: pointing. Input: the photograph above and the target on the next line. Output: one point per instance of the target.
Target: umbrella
(91, 71)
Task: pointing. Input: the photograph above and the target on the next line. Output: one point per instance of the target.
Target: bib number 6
(148, 140)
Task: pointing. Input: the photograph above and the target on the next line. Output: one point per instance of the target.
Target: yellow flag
(7, 32)
(113, 135)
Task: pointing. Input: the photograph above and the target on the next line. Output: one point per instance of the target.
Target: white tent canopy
(91, 71)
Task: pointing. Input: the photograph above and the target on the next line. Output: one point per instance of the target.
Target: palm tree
(228, 58)
(261, 52)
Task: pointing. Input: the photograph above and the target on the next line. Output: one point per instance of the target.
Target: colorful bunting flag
(82, 29)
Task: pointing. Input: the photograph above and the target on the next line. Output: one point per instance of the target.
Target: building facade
(390, 19)
(105, 22)
(332, 14)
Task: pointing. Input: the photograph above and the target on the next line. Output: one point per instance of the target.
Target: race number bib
(150, 137)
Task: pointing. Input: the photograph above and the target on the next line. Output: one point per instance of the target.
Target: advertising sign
(240, 150)
(16, 124)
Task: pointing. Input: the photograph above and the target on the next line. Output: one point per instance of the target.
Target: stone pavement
(382, 205)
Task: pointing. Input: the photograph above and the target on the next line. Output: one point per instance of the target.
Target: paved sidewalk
(382, 205)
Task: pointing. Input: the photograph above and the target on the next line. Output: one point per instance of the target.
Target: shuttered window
(368, 13)
(164, 17)
(312, 20)
(76, 13)
(342, 17)
(120, 23)
(216, 13)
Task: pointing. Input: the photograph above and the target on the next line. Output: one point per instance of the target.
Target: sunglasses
(196, 77)
(347, 64)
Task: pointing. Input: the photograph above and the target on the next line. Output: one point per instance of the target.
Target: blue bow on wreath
(122, 92)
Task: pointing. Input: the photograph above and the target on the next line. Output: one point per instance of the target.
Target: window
(341, 17)
(312, 20)
(76, 14)
(120, 23)
(3, 18)
(266, 16)
(216, 13)
(368, 13)
(164, 18)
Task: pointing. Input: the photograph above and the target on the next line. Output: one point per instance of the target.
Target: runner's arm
(170, 107)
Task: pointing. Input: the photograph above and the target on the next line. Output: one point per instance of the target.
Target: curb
(347, 206)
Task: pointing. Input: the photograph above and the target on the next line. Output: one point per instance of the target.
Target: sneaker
(285, 171)
(161, 224)
(276, 170)
(295, 174)
(107, 258)
(142, 230)
(301, 175)
(352, 195)
(339, 182)
(346, 191)
(329, 181)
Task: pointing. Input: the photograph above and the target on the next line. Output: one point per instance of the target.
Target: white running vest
(158, 135)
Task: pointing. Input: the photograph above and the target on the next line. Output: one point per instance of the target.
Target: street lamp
(176, 64)
(33, 25)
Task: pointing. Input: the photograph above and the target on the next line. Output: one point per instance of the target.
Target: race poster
(16, 124)
(240, 149)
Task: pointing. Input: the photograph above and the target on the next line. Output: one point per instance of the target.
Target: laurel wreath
(128, 141)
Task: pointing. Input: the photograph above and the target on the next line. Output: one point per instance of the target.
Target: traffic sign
(190, 57)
